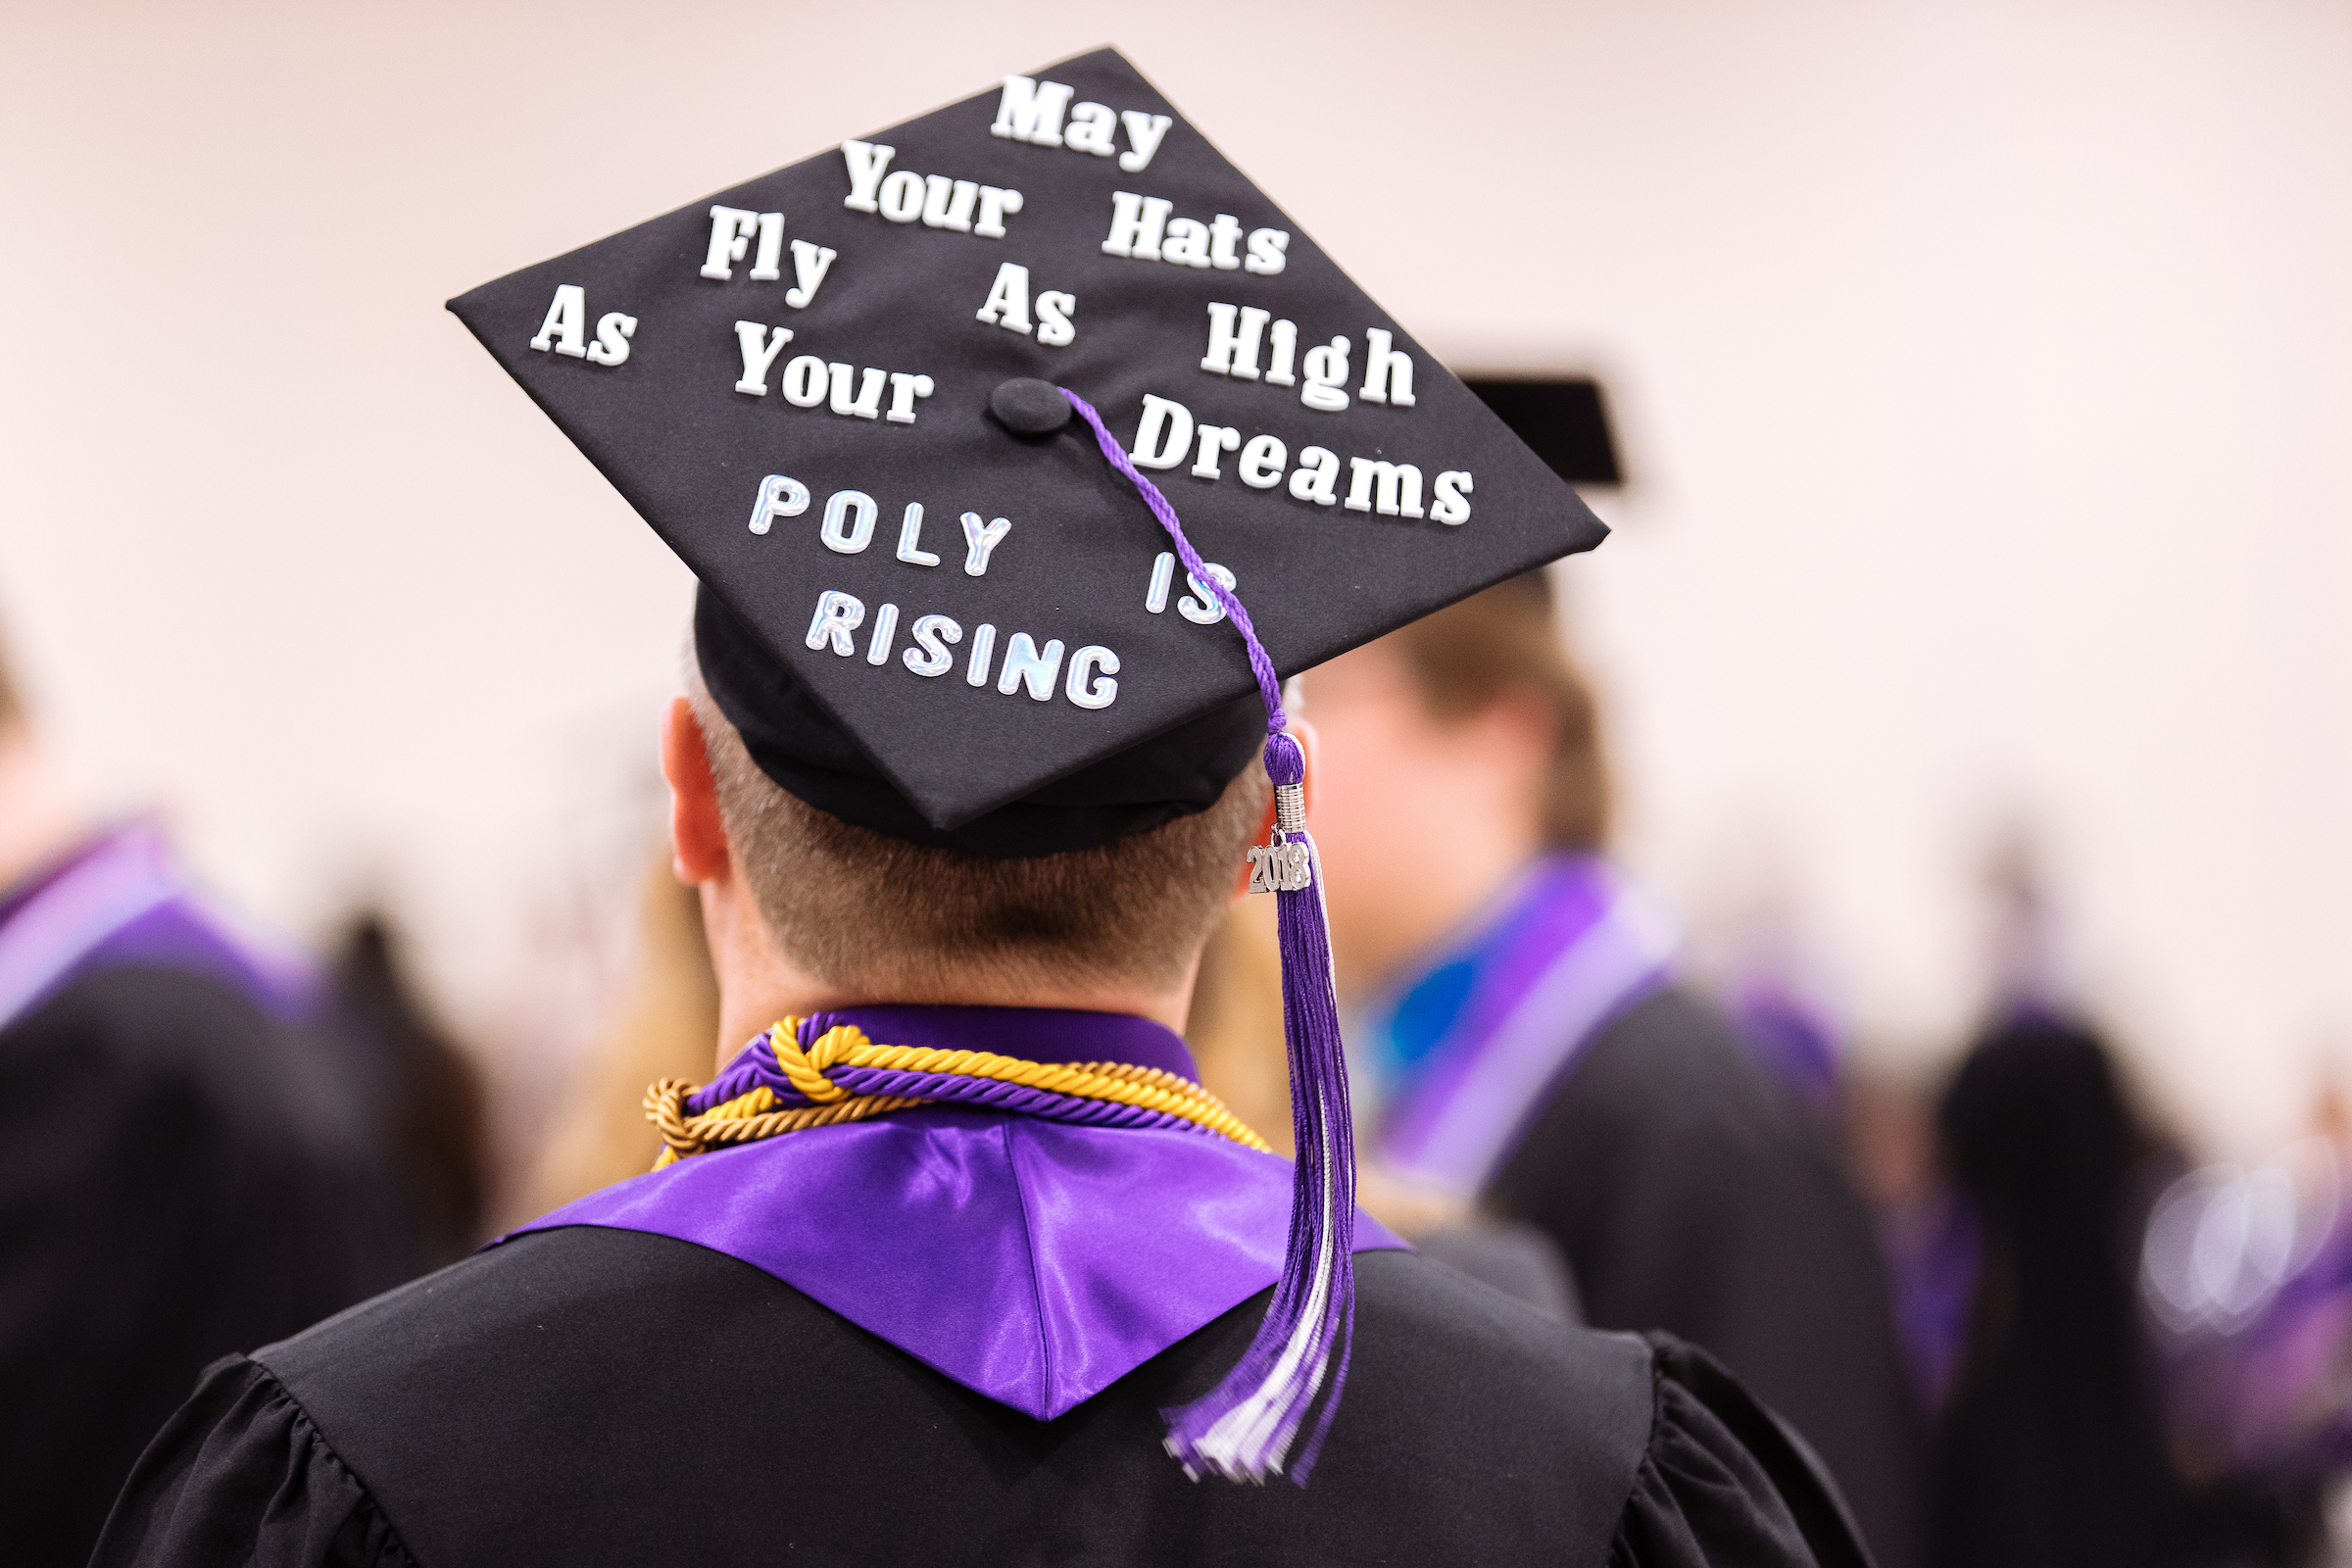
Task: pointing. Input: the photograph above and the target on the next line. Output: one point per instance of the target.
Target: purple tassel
(1244, 1429)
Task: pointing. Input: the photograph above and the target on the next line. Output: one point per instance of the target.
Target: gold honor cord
(750, 1117)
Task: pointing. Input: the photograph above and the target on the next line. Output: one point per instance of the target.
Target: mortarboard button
(1029, 406)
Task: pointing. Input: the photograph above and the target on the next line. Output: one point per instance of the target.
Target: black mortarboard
(932, 604)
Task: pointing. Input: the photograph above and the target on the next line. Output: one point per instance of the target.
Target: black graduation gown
(595, 1395)
(179, 1178)
(1691, 1194)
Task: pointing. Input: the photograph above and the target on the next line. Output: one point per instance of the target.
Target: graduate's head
(1454, 750)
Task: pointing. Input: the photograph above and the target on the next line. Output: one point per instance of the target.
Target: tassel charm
(1269, 1416)
(1285, 865)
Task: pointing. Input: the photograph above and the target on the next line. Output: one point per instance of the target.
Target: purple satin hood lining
(1032, 1262)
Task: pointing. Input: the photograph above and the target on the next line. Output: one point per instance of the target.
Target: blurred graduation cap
(929, 601)
(1563, 419)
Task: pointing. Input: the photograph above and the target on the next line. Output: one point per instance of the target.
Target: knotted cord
(796, 1075)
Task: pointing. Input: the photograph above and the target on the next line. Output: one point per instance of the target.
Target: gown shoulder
(241, 1475)
(1725, 1481)
(1586, 1448)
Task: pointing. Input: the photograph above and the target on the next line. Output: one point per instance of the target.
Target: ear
(697, 837)
(1308, 744)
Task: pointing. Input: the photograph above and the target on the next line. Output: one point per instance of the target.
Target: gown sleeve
(240, 1475)
(1725, 1481)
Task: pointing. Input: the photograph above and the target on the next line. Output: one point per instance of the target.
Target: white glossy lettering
(1267, 248)
(1317, 477)
(566, 328)
(805, 381)
(1283, 341)
(1201, 606)
(1326, 377)
(1164, 436)
(933, 635)
(772, 249)
(910, 539)
(730, 236)
(867, 404)
(1391, 489)
(838, 614)
(1031, 111)
(780, 496)
(1388, 371)
(877, 641)
(901, 198)
(1215, 439)
(1136, 225)
(1264, 459)
(1054, 312)
(1008, 302)
(760, 345)
(1025, 663)
(809, 264)
(980, 541)
(867, 164)
(1093, 128)
(904, 390)
(1090, 683)
(1450, 494)
(1144, 132)
(612, 333)
(995, 207)
(849, 522)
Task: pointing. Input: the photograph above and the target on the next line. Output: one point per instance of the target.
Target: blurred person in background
(1233, 1029)
(2051, 1447)
(1524, 1043)
(662, 1028)
(186, 1168)
(423, 1093)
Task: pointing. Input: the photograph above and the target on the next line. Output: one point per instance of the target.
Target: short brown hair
(856, 907)
(1506, 639)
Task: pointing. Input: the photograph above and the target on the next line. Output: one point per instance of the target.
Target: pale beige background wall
(1987, 369)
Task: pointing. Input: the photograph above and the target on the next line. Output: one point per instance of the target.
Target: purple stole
(1033, 1261)
(1569, 949)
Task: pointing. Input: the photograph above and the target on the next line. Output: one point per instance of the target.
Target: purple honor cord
(1243, 1428)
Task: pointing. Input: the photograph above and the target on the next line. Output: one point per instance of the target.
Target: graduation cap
(980, 432)
(1563, 419)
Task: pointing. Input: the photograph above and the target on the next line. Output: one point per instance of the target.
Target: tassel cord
(1290, 1378)
(1269, 684)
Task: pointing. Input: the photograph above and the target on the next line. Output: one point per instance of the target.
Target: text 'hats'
(830, 390)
